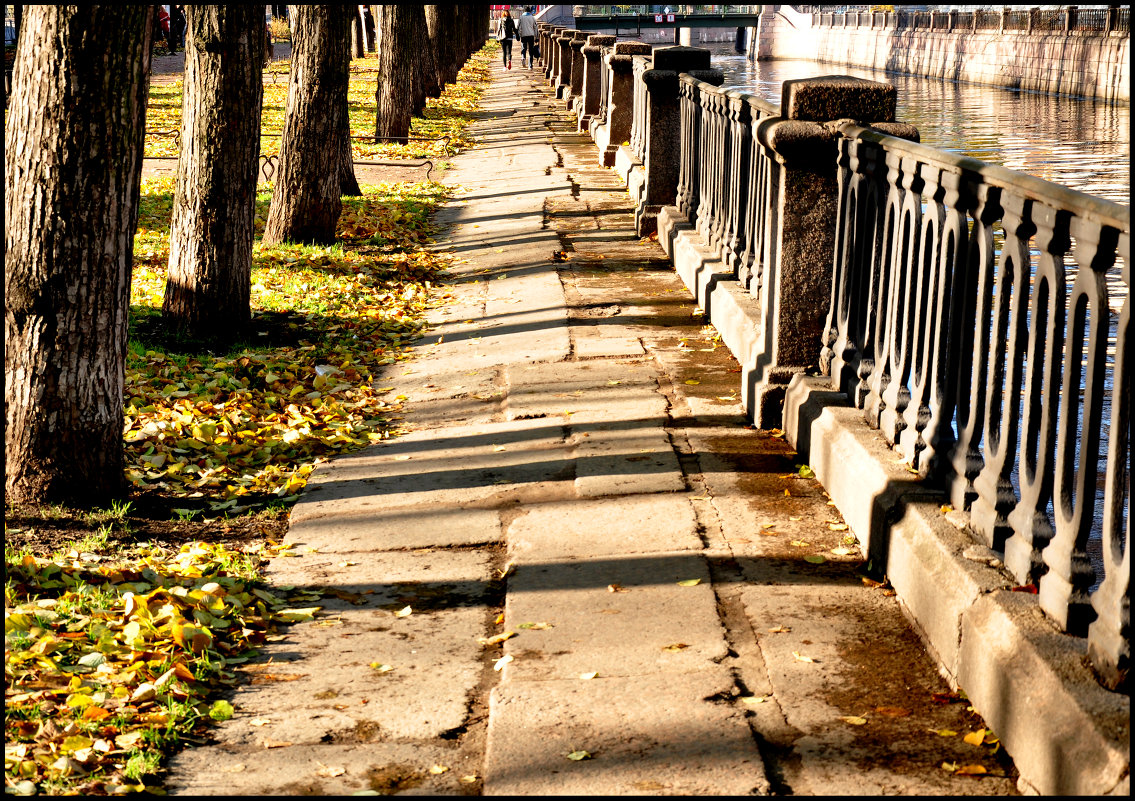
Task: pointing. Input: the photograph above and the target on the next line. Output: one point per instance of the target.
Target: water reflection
(1081, 143)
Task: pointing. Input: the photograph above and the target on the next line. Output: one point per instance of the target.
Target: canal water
(1080, 143)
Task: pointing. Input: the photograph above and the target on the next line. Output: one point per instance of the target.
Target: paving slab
(326, 666)
(371, 527)
(590, 528)
(618, 616)
(458, 465)
(363, 766)
(855, 688)
(646, 735)
(626, 462)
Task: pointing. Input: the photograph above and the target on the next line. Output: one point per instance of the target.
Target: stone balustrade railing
(977, 316)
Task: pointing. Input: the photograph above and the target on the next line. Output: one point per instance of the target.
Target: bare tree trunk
(395, 72)
(425, 61)
(306, 203)
(440, 27)
(211, 228)
(73, 159)
(358, 35)
(348, 183)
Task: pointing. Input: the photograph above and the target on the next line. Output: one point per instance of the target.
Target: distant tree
(395, 71)
(211, 229)
(358, 34)
(73, 137)
(306, 202)
(348, 183)
(441, 25)
(425, 83)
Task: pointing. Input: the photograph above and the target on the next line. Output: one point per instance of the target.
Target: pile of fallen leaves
(110, 661)
(247, 426)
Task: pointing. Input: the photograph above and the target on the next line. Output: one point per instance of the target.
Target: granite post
(562, 76)
(592, 79)
(796, 293)
(620, 100)
(663, 131)
(575, 85)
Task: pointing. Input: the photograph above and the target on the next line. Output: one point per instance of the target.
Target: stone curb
(1031, 683)
(1067, 735)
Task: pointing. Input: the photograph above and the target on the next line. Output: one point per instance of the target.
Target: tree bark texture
(440, 25)
(358, 35)
(395, 72)
(211, 229)
(306, 203)
(73, 158)
(425, 62)
(348, 183)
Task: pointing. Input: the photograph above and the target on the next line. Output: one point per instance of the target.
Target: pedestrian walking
(176, 27)
(506, 32)
(526, 28)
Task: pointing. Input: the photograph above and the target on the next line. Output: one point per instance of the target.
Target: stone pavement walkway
(579, 546)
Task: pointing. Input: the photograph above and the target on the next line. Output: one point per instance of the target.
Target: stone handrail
(952, 320)
(979, 317)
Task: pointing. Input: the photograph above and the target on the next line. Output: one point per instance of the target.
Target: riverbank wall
(1054, 62)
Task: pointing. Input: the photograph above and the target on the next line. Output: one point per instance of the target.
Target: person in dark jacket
(506, 33)
(176, 27)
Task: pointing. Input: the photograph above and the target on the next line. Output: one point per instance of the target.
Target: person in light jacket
(526, 28)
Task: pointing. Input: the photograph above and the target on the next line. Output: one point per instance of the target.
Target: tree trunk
(306, 203)
(211, 228)
(73, 158)
(348, 183)
(439, 26)
(425, 62)
(358, 35)
(395, 72)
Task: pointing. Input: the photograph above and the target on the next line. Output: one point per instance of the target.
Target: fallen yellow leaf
(975, 737)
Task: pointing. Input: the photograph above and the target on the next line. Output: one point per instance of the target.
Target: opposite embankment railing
(980, 319)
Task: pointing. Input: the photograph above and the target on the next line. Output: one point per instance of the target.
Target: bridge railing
(978, 317)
